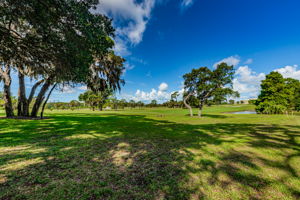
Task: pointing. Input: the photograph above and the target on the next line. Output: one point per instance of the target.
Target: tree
(95, 99)
(89, 99)
(5, 76)
(173, 101)
(278, 95)
(204, 84)
(140, 104)
(293, 87)
(252, 101)
(297, 100)
(153, 103)
(222, 94)
(231, 101)
(74, 104)
(174, 96)
(1, 99)
(122, 103)
(61, 41)
(132, 104)
(273, 98)
(113, 103)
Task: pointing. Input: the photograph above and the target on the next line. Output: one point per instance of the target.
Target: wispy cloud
(248, 61)
(128, 67)
(138, 60)
(186, 3)
(149, 74)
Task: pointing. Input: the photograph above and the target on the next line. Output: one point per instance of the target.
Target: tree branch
(33, 89)
(44, 105)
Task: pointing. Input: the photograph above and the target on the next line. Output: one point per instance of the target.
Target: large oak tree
(204, 83)
(55, 41)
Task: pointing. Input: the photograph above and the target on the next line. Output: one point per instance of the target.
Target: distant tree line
(98, 104)
(116, 104)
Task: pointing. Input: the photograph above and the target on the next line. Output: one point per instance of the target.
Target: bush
(270, 107)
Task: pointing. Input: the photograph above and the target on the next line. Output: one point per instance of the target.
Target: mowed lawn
(154, 153)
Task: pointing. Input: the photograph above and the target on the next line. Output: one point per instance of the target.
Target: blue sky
(164, 39)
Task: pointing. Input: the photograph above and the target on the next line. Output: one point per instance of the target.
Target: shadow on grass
(85, 156)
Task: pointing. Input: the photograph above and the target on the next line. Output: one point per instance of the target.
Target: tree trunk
(100, 107)
(33, 89)
(187, 105)
(40, 98)
(44, 105)
(6, 92)
(23, 109)
(200, 110)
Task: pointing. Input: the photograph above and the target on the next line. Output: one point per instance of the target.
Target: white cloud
(67, 89)
(247, 82)
(84, 87)
(232, 60)
(130, 17)
(289, 72)
(161, 95)
(248, 61)
(163, 87)
(152, 95)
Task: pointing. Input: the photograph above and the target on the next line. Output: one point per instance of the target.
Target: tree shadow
(85, 156)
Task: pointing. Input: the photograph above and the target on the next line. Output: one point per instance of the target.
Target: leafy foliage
(58, 41)
(278, 95)
(95, 99)
(205, 84)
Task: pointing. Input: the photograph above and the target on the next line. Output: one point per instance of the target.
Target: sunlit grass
(154, 153)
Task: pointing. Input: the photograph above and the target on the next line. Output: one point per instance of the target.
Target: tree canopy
(56, 41)
(204, 83)
(95, 99)
(278, 95)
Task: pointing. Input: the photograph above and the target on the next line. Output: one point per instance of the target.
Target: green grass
(151, 154)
